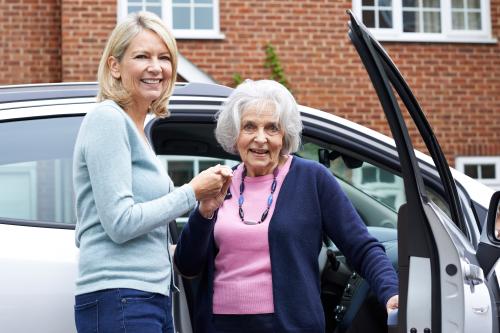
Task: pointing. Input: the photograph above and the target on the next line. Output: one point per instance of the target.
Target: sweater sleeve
(107, 153)
(344, 226)
(192, 248)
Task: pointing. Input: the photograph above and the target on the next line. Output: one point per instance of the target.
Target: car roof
(59, 91)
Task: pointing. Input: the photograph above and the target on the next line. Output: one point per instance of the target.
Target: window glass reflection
(203, 18)
(181, 18)
(474, 21)
(181, 172)
(385, 19)
(369, 18)
(410, 3)
(488, 171)
(36, 169)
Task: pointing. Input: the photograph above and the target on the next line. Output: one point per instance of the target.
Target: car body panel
(37, 280)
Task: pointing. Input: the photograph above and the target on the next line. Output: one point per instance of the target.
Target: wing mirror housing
(488, 250)
(325, 156)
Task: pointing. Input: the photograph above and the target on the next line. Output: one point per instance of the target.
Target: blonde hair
(119, 41)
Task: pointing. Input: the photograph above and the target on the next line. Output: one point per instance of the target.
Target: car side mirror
(325, 156)
(488, 250)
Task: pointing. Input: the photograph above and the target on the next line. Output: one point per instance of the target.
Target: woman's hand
(392, 303)
(208, 206)
(209, 183)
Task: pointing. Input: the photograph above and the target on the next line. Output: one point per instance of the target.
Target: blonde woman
(124, 197)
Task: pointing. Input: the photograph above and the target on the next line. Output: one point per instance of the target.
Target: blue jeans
(123, 310)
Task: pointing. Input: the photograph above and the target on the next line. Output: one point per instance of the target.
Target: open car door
(443, 287)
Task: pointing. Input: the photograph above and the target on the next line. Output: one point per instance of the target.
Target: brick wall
(30, 41)
(86, 25)
(456, 84)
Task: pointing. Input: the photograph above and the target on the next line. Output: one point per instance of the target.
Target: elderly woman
(258, 252)
(124, 197)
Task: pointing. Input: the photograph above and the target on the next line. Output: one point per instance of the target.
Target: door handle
(473, 273)
(480, 309)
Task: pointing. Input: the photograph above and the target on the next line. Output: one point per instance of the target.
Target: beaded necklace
(241, 199)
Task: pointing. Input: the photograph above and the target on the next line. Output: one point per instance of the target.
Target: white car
(434, 221)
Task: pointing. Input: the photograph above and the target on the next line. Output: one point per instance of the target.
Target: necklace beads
(241, 199)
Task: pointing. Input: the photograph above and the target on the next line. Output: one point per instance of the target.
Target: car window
(35, 169)
(367, 184)
(370, 188)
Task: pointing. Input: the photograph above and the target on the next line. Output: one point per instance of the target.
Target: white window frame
(461, 161)
(447, 34)
(166, 11)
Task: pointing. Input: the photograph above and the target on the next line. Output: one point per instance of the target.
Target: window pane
(369, 175)
(410, 3)
(369, 18)
(368, 2)
(181, 18)
(134, 9)
(386, 177)
(37, 190)
(471, 170)
(36, 169)
(458, 21)
(432, 3)
(474, 21)
(389, 200)
(154, 9)
(181, 172)
(410, 22)
(203, 1)
(474, 4)
(180, 1)
(203, 165)
(385, 19)
(386, 3)
(153, 1)
(457, 4)
(370, 191)
(488, 171)
(203, 18)
(432, 22)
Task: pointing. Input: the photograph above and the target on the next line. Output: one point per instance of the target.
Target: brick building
(446, 49)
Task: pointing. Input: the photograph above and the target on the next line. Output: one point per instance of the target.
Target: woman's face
(260, 140)
(145, 70)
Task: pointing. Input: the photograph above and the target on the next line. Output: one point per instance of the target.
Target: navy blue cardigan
(310, 201)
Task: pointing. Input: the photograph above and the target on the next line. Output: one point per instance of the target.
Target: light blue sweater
(124, 200)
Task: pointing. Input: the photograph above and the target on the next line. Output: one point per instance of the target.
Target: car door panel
(37, 279)
(463, 290)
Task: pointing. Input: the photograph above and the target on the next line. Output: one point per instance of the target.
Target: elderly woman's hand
(209, 182)
(208, 206)
(392, 303)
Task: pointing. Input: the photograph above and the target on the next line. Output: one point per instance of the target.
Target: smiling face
(145, 69)
(260, 140)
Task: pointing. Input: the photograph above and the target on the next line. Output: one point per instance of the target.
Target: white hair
(259, 95)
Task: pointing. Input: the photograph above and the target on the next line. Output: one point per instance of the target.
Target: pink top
(243, 282)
